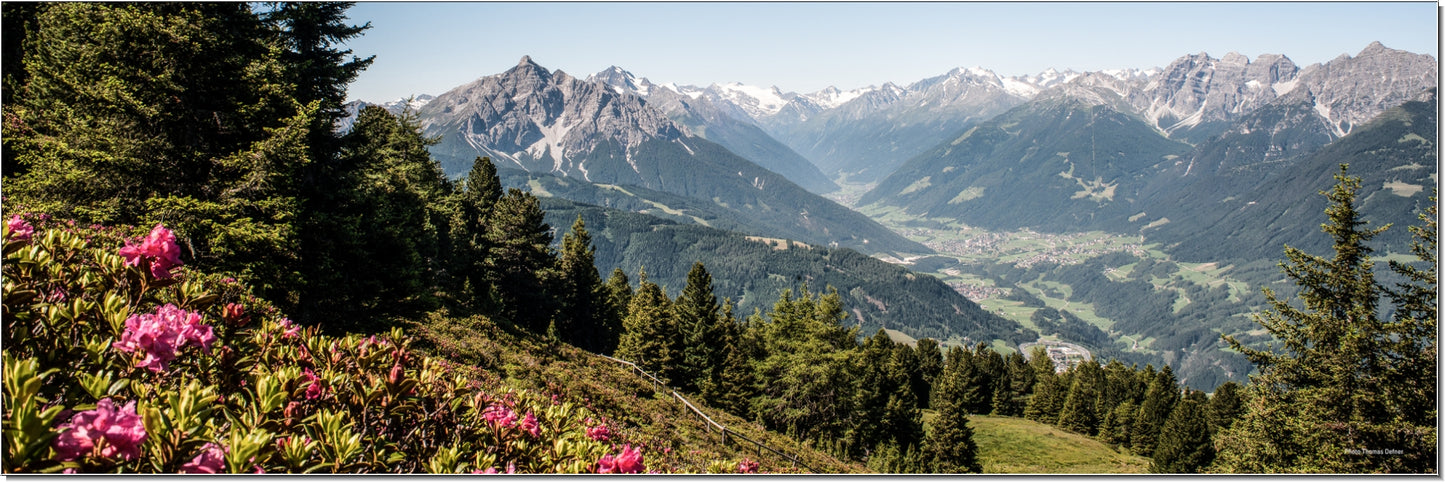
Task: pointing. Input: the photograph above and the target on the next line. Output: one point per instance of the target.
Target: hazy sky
(431, 47)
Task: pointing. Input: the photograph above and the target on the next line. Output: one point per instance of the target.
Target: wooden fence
(711, 425)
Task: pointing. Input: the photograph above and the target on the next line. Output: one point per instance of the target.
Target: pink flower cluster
(599, 433)
(159, 251)
(748, 466)
(19, 229)
(314, 389)
(118, 433)
(289, 329)
(211, 460)
(629, 461)
(499, 416)
(160, 335)
(530, 425)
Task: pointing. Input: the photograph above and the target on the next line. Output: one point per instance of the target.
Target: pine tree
(1225, 406)
(582, 317)
(1331, 390)
(930, 365)
(1184, 444)
(1159, 401)
(521, 259)
(1121, 424)
(478, 193)
(1048, 397)
(730, 381)
(949, 445)
(696, 311)
(1078, 413)
(804, 384)
(649, 332)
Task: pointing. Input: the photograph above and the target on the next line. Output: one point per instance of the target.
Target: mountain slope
(867, 137)
(705, 119)
(752, 271)
(1056, 163)
(543, 121)
(1396, 157)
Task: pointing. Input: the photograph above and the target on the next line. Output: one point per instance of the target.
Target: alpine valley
(1135, 212)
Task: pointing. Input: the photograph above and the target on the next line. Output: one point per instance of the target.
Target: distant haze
(429, 47)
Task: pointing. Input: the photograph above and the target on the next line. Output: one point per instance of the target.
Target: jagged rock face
(543, 121)
(705, 118)
(1197, 92)
(1350, 91)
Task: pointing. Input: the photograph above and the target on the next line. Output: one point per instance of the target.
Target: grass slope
(632, 406)
(1008, 445)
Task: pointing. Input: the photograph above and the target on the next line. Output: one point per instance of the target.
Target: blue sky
(430, 47)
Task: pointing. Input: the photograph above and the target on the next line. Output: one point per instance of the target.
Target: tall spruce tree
(804, 381)
(696, 311)
(1158, 403)
(949, 447)
(521, 258)
(1078, 414)
(729, 384)
(1327, 399)
(930, 365)
(1225, 406)
(474, 284)
(1048, 397)
(582, 316)
(1184, 444)
(649, 336)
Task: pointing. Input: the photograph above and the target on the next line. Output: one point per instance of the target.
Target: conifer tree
(1078, 413)
(803, 377)
(649, 332)
(582, 316)
(1118, 424)
(949, 447)
(1158, 402)
(478, 193)
(521, 258)
(730, 381)
(696, 311)
(1184, 444)
(1331, 394)
(1225, 406)
(1048, 397)
(930, 365)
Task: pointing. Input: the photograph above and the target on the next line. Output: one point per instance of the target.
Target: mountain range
(1214, 159)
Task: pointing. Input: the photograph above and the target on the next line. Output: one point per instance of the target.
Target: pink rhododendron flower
(289, 328)
(158, 336)
(630, 460)
(499, 415)
(606, 464)
(747, 466)
(314, 389)
(19, 229)
(159, 249)
(599, 433)
(529, 423)
(119, 433)
(211, 460)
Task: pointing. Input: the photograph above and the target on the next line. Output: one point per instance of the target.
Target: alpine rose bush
(110, 366)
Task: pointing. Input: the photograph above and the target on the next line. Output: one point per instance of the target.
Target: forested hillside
(751, 270)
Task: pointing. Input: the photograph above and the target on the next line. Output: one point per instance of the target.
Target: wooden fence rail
(722, 430)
